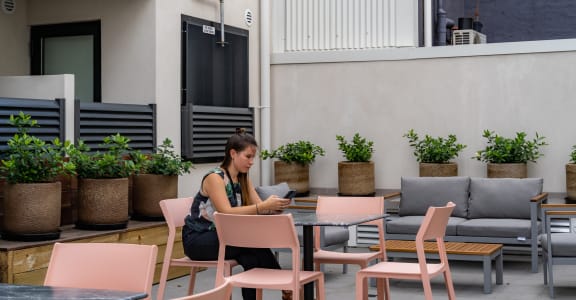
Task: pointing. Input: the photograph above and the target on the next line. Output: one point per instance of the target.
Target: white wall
(14, 38)
(382, 100)
(48, 87)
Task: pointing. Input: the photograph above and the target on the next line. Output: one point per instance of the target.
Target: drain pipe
(222, 42)
(265, 124)
(428, 23)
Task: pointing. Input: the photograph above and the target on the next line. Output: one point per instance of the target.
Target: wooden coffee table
(486, 253)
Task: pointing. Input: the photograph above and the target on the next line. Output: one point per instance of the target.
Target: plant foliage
(434, 150)
(358, 150)
(30, 159)
(301, 152)
(573, 155)
(500, 149)
(115, 162)
(164, 161)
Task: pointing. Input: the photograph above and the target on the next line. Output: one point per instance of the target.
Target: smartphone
(291, 194)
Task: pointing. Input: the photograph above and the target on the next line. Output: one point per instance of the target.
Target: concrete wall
(382, 100)
(14, 36)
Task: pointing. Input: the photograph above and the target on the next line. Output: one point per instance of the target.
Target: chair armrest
(540, 198)
(392, 195)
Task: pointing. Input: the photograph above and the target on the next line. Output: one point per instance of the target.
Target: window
(70, 48)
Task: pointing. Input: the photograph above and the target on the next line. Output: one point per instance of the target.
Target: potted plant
(571, 176)
(356, 174)
(156, 179)
(293, 164)
(32, 193)
(507, 157)
(434, 154)
(103, 183)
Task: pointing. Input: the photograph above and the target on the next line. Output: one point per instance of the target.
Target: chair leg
(449, 284)
(545, 267)
(258, 294)
(550, 280)
(360, 292)
(192, 281)
(427, 288)
(320, 289)
(383, 288)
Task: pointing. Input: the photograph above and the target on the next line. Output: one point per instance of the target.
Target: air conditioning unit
(467, 37)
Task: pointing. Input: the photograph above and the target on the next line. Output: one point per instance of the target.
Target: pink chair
(352, 206)
(264, 231)
(110, 266)
(222, 292)
(174, 211)
(433, 227)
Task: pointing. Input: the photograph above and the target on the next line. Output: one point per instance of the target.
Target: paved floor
(519, 282)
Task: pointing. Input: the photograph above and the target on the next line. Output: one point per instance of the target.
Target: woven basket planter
(103, 204)
(356, 178)
(147, 192)
(512, 170)
(571, 182)
(438, 170)
(296, 175)
(32, 211)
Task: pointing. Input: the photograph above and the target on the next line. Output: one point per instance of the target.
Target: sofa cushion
(418, 193)
(489, 227)
(268, 190)
(563, 244)
(411, 224)
(502, 197)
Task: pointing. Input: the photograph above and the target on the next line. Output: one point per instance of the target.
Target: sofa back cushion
(418, 193)
(502, 197)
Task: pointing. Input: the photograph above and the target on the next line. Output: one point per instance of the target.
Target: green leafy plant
(500, 149)
(358, 150)
(164, 161)
(434, 150)
(301, 152)
(573, 155)
(115, 162)
(30, 159)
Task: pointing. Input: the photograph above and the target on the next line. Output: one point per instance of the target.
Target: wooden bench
(485, 253)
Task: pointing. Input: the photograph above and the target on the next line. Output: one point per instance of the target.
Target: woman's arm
(214, 187)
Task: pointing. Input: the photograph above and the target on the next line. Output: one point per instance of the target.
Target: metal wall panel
(95, 121)
(48, 113)
(205, 130)
(314, 25)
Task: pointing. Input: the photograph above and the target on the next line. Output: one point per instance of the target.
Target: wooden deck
(26, 262)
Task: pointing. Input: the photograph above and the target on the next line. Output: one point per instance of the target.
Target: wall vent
(8, 6)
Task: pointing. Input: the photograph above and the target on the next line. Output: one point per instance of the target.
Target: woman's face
(244, 159)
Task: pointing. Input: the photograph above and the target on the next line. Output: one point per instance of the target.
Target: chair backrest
(111, 266)
(256, 231)
(435, 221)
(332, 205)
(174, 211)
(222, 292)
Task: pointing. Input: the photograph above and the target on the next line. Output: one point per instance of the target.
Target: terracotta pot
(296, 175)
(512, 170)
(32, 211)
(356, 178)
(571, 182)
(438, 170)
(103, 204)
(147, 192)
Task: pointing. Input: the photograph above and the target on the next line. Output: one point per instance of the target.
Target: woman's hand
(274, 204)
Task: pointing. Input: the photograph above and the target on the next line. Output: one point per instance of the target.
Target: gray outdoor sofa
(488, 210)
